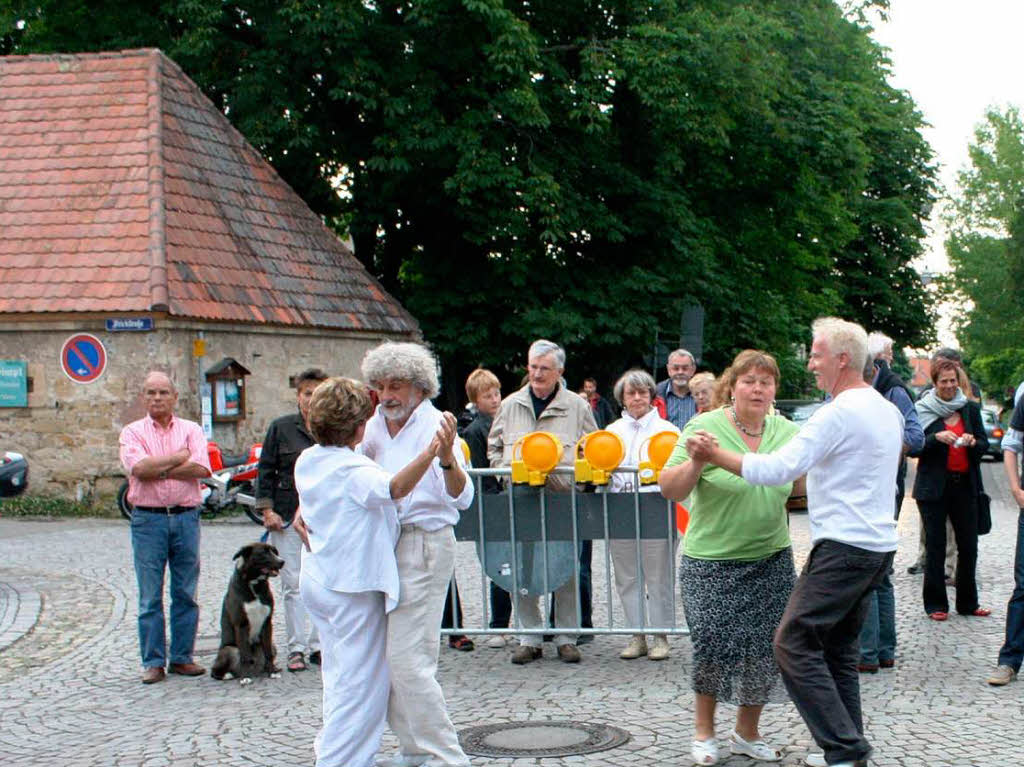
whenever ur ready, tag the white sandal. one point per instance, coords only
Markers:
(705, 752)
(755, 749)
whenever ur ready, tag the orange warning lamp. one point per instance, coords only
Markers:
(603, 451)
(682, 517)
(659, 449)
(533, 456)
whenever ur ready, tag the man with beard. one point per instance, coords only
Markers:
(675, 390)
(404, 375)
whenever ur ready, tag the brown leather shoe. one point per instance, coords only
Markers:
(525, 654)
(568, 653)
(153, 674)
(187, 669)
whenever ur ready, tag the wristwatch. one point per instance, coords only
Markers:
(447, 466)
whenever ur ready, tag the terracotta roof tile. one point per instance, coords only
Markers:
(103, 154)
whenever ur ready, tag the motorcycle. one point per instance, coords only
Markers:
(232, 483)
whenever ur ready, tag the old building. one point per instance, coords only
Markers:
(141, 231)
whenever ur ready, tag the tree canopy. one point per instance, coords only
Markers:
(570, 169)
(986, 251)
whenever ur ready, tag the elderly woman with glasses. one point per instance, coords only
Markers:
(636, 390)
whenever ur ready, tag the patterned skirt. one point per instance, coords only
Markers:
(732, 609)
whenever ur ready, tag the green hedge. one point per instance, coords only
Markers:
(52, 506)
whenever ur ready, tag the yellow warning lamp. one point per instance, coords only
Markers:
(659, 449)
(603, 451)
(533, 456)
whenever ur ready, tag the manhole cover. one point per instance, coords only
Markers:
(541, 739)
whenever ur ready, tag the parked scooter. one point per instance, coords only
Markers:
(232, 483)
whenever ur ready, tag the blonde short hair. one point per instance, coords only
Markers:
(338, 408)
(702, 378)
(843, 336)
(480, 381)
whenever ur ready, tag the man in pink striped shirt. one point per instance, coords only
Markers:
(165, 456)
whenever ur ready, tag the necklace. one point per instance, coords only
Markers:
(741, 427)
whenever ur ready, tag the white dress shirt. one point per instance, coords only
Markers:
(353, 523)
(633, 432)
(428, 506)
(850, 451)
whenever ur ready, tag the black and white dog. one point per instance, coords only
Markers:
(246, 634)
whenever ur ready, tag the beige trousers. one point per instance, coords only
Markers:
(417, 712)
(655, 591)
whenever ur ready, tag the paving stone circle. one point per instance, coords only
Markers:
(539, 739)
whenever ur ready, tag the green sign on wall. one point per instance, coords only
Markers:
(13, 383)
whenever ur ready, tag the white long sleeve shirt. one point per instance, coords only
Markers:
(353, 524)
(850, 451)
(428, 506)
(633, 432)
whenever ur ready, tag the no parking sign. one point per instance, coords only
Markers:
(83, 358)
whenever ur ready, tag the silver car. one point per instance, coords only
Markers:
(994, 432)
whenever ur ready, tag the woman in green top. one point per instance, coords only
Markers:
(737, 569)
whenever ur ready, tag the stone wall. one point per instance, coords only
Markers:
(69, 431)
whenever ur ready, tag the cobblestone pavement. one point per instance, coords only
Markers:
(70, 691)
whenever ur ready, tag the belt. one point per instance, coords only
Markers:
(957, 476)
(165, 509)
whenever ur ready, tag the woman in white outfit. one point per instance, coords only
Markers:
(349, 578)
(636, 391)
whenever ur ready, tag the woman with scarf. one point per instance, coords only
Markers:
(947, 485)
(636, 391)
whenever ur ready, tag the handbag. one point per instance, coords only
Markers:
(984, 514)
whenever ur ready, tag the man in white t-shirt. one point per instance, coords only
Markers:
(849, 450)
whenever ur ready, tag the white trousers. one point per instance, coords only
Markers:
(417, 712)
(528, 609)
(353, 627)
(657, 588)
(302, 633)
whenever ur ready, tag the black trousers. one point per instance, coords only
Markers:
(501, 607)
(448, 620)
(959, 504)
(817, 644)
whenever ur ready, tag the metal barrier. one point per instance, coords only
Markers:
(512, 526)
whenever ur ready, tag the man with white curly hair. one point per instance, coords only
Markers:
(404, 375)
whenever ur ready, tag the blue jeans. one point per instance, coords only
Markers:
(878, 636)
(1012, 652)
(159, 541)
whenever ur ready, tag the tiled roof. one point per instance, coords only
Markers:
(123, 188)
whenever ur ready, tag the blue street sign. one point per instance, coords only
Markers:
(136, 324)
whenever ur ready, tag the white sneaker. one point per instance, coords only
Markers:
(402, 760)
(816, 760)
(497, 641)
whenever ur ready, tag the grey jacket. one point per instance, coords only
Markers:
(568, 417)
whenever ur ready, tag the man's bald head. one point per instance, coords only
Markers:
(160, 396)
(160, 378)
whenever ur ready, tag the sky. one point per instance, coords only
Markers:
(956, 58)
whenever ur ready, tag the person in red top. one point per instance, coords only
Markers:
(165, 457)
(947, 484)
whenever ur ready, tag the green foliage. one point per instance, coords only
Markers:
(29, 505)
(986, 252)
(573, 169)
